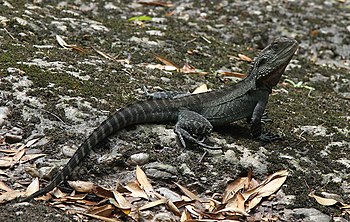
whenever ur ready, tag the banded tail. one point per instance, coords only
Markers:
(141, 112)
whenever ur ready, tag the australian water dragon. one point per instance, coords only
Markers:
(197, 114)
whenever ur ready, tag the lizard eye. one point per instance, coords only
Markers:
(274, 46)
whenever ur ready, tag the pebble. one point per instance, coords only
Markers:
(186, 170)
(161, 171)
(314, 130)
(11, 138)
(319, 78)
(4, 113)
(68, 151)
(139, 159)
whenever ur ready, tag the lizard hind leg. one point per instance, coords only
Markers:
(192, 126)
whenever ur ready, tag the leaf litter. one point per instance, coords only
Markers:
(109, 204)
(238, 200)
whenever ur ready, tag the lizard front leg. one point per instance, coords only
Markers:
(191, 123)
(258, 118)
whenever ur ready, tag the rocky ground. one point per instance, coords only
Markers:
(61, 94)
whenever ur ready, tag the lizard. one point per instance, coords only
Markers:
(196, 114)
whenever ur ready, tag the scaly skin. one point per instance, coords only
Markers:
(199, 113)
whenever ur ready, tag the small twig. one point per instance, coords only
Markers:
(52, 114)
(201, 159)
(9, 34)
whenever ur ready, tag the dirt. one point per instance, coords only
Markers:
(63, 94)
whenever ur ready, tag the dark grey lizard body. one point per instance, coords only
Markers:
(198, 113)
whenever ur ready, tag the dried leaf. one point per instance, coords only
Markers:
(153, 204)
(234, 74)
(201, 89)
(233, 187)
(233, 210)
(75, 197)
(237, 201)
(188, 193)
(323, 201)
(6, 161)
(185, 216)
(33, 187)
(4, 187)
(103, 211)
(29, 157)
(345, 206)
(103, 218)
(82, 186)
(272, 186)
(104, 55)
(32, 142)
(18, 155)
(253, 203)
(192, 70)
(245, 58)
(8, 151)
(10, 195)
(102, 192)
(173, 208)
(167, 62)
(3, 173)
(61, 42)
(143, 180)
(123, 204)
(136, 190)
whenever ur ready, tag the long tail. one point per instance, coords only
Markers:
(141, 112)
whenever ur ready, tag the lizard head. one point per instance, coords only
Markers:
(271, 62)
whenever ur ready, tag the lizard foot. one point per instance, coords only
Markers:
(268, 138)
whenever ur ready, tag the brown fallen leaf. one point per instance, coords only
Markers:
(103, 211)
(185, 216)
(18, 156)
(323, 201)
(63, 44)
(6, 161)
(245, 58)
(102, 192)
(167, 62)
(173, 208)
(188, 69)
(10, 195)
(233, 210)
(153, 204)
(237, 201)
(29, 157)
(122, 203)
(136, 190)
(82, 186)
(234, 187)
(33, 187)
(4, 187)
(188, 193)
(143, 180)
(102, 218)
(201, 89)
(234, 74)
(31, 142)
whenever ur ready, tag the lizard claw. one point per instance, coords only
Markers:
(268, 138)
